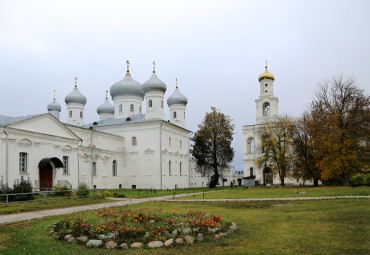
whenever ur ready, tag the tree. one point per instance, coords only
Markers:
(276, 147)
(304, 148)
(212, 145)
(341, 113)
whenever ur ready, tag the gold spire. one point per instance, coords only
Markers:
(176, 84)
(106, 95)
(54, 94)
(266, 70)
(76, 82)
(153, 66)
(128, 67)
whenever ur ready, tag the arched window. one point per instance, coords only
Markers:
(150, 103)
(266, 109)
(114, 168)
(251, 171)
(174, 115)
(180, 168)
(169, 168)
(134, 141)
(94, 168)
(132, 108)
(70, 114)
(81, 115)
(250, 145)
(120, 108)
(140, 109)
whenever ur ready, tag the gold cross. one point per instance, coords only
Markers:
(153, 66)
(128, 66)
(76, 82)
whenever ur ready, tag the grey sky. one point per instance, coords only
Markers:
(217, 49)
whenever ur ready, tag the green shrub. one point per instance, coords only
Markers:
(367, 180)
(5, 189)
(357, 180)
(23, 187)
(105, 193)
(120, 195)
(83, 190)
(61, 191)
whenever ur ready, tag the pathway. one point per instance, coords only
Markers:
(53, 212)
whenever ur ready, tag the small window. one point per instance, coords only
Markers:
(180, 144)
(134, 141)
(132, 108)
(70, 114)
(162, 103)
(120, 108)
(114, 168)
(180, 168)
(169, 168)
(81, 115)
(140, 109)
(251, 171)
(169, 141)
(150, 103)
(266, 109)
(23, 162)
(65, 165)
(174, 115)
(94, 168)
(266, 85)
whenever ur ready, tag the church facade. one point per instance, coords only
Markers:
(126, 148)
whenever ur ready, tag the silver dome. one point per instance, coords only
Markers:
(54, 106)
(75, 97)
(106, 107)
(154, 84)
(177, 98)
(127, 86)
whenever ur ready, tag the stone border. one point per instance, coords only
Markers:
(96, 243)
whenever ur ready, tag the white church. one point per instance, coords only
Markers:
(126, 148)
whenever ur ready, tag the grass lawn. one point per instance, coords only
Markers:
(144, 193)
(299, 227)
(50, 204)
(264, 192)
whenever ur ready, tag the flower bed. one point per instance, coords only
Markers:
(129, 227)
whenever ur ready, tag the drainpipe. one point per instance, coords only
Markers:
(160, 153)
(78, 165)
(92, 151)
(6, 157)
(189, 160)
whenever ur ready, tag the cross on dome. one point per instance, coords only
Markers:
(75, 82)
(106, 94)
(176, 83)
(153, 66)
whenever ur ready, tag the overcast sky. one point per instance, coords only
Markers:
(217, 50)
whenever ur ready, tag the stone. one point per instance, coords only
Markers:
(123, 246)
(200, 237)
(189, 239)
(72, 240)
(94, 243)
(303, 193)
(82, 239)
(136, 245)
(51, 231)
(54, 226)
(155, 244)
(208, 237)
(67, 237)
(110, 245)
(179, 240)
(168, 242)
(57, 237)
(231, 231)
(217, 236)
(222, 234)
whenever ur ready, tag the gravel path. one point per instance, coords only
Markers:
(120, 202)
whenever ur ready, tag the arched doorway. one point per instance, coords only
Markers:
(239, 182)
(46, 170)
(267, 176)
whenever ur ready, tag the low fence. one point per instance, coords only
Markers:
(45, 195)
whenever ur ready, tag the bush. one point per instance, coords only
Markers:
(105, 193)
(357, 180)
(367, 180)
(83, 190)
(5, 189)
(23, 187)
(61, 191)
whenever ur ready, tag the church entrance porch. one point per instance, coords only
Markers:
(46, 171)
(267, 176)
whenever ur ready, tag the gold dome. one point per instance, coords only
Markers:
(266, 75)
